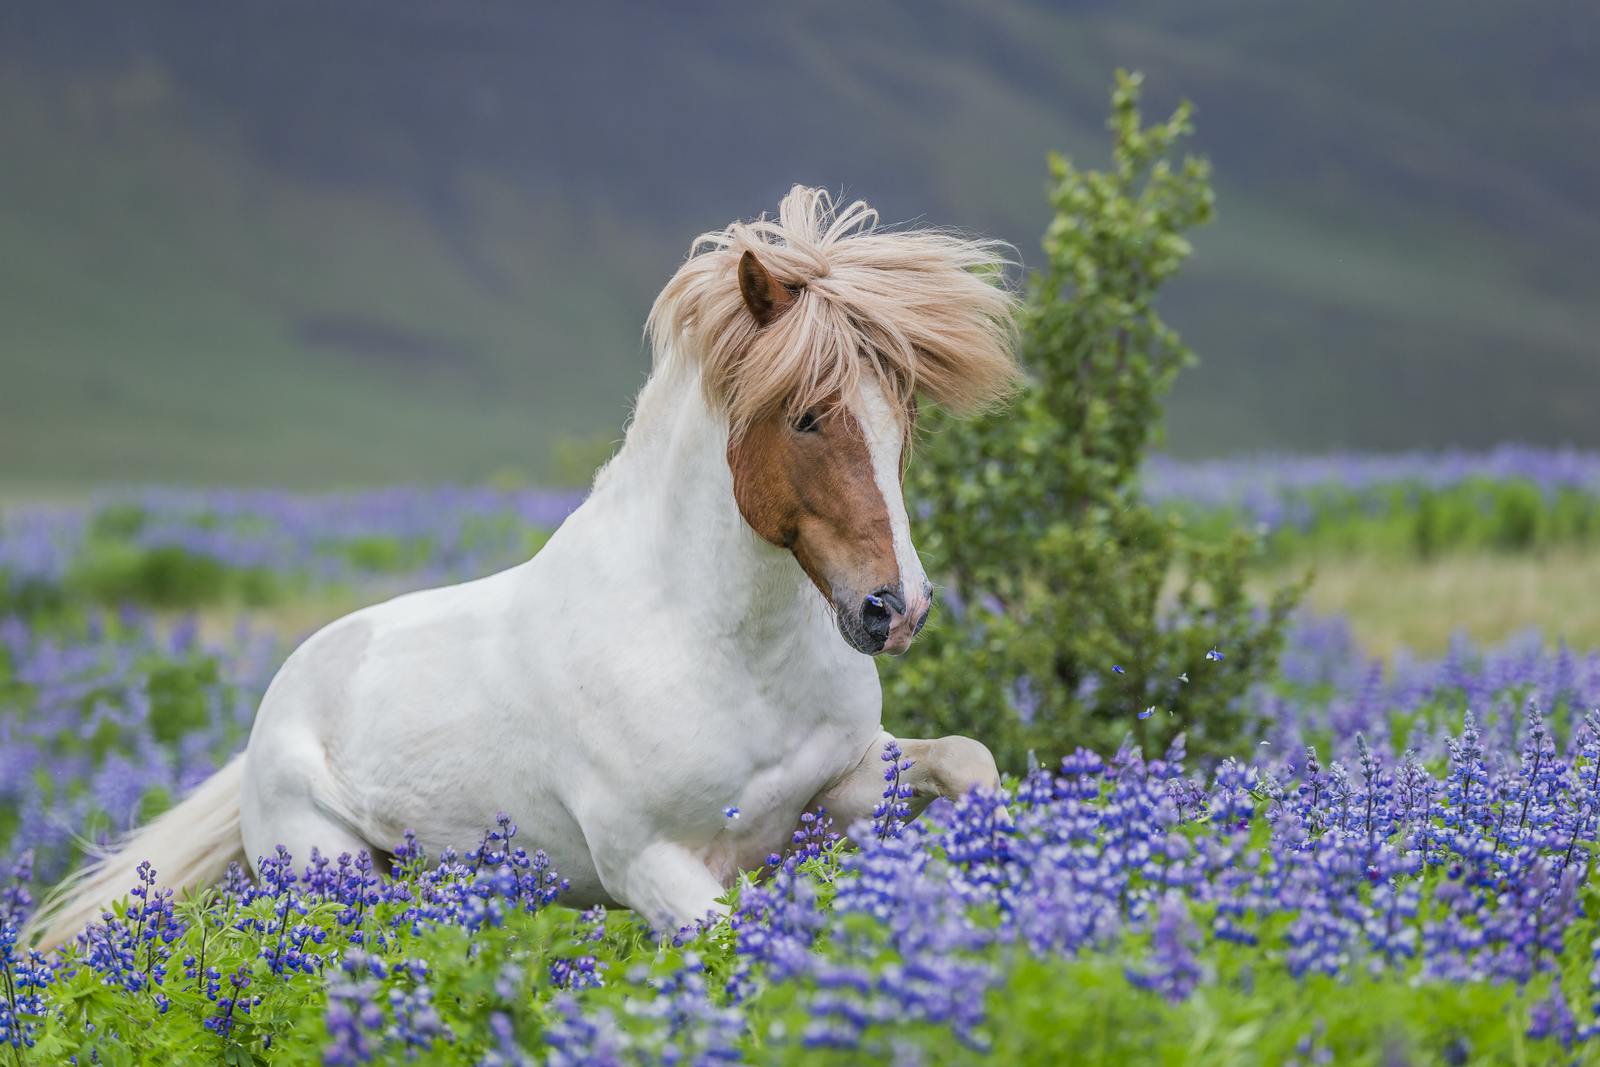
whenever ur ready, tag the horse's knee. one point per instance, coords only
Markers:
(664, 882)
(957, 765)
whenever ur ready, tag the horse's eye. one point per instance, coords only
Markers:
(806, 423)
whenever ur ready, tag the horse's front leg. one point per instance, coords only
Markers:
(666, 883)
(949, 767)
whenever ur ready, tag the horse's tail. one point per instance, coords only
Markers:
(190, 845)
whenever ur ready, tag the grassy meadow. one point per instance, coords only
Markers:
(1396, 605)
(1391, 867)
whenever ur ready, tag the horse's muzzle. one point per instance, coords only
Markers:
(884, 620)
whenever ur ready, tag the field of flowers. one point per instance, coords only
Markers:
(1392, 868)
(181, 548)
(1412, 504)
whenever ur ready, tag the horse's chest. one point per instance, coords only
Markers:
(782, 773)
(797, 771)
(793, 738)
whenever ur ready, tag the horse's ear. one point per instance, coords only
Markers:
(763, 294)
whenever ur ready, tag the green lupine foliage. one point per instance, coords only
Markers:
(1046, 1008)
(165, 576)
(1404, 521)
(179, 697)
(387, 555)
(287, 1026)
(1032, 518)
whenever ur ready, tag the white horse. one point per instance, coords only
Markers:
(675, 650)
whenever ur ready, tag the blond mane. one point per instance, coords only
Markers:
(926, 311)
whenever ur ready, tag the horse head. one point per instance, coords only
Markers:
(826, 484)
(813, 334)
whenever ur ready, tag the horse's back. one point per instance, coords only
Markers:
(401, 682)
(403, 641)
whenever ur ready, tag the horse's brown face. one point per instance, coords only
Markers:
(827, 487)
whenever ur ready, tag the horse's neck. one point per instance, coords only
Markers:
(670, 494)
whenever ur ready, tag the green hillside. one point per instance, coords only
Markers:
(375, 243)
(175, 314)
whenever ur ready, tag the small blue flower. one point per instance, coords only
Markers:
(1214, 656)
(731, 812)
(1117, 669)
(1147, 712)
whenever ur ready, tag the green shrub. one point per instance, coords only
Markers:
(1054, 569)
(1519, 517)
(165, 576)
(29, 597)
(180, 692)
(119, 522)
(377, 554)
(1411, 521)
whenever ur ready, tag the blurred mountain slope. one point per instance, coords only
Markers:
(379, 241)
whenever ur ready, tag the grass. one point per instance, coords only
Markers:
(1418, 605)
(162, 343)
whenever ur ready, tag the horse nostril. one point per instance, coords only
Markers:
(876, 618)
(890, 597)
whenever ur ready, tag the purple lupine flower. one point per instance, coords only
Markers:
(1325, 863)
(1173, 969)
(892, 814)
(1552, 1019)
(24, 975)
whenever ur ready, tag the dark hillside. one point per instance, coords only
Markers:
(382, 241)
